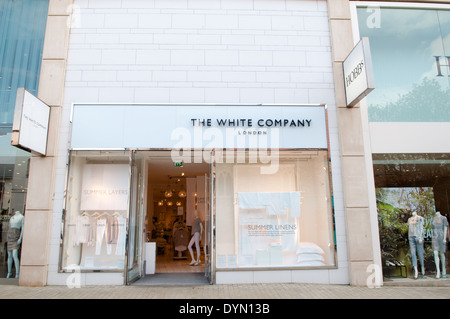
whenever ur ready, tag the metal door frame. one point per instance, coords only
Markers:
(135, 207)
(210, 210)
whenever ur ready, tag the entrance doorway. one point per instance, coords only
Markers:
(174, 195)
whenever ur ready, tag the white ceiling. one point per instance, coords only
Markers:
(161, 167)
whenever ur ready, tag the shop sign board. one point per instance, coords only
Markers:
(358, 73)
(31, 121)
(198, 126)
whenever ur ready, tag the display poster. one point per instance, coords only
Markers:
(105, 187)
(268, 226)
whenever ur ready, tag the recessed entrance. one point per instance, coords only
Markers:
(176, 194)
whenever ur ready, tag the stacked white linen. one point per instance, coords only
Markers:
(310, 254)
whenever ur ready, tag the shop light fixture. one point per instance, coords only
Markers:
(168, 193)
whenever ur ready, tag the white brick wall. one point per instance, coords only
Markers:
(234, 44)
(200, 51)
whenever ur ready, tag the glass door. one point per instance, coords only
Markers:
(209, 220)
(133, 264)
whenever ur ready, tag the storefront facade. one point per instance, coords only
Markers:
(410, 108)
(251, 94)
(171, 75)
(21, 49)
(202, 59)
(262, 208)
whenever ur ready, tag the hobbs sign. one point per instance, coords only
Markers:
(358, 73)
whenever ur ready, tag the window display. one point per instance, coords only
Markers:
(284, 219)
(412, 201)
(14, 239)
(415, 237)
(13, 193)
(439, 224)
(95, 222)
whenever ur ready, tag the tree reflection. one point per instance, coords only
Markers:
(425, 102)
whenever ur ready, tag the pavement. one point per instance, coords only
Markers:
(409, 289)
(228, 301)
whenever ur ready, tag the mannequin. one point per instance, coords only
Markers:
(415, 237)
(439, 241)
(197, 230)
(15, 233)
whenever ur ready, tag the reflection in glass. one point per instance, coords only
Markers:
(409, 51)
(22, 25)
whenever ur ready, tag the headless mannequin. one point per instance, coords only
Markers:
(15, 226)
(439, 241)
(415, 236)
(197, 230)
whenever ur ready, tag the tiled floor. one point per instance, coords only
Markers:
(166, 263)
(173, 279)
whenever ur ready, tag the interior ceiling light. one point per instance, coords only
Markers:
(168, 193)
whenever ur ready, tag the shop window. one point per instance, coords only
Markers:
(413, 187)
(410, 54)
(283, 219)
(13, 193)
(96, 212)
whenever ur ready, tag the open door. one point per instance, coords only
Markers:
(209, 220)
(134, 247)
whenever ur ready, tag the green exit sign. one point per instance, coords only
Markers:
(178, 164)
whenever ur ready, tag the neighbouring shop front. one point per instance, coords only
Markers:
(21, 45)
(408, 118)
(257, 177)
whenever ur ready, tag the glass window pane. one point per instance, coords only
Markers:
(412, 187)
(444, 22)
(97, 205)
(22, 31)
(410, 64)
(282, 219)
(14, 166)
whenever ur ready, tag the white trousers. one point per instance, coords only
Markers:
(101, 229)
(195, 239)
